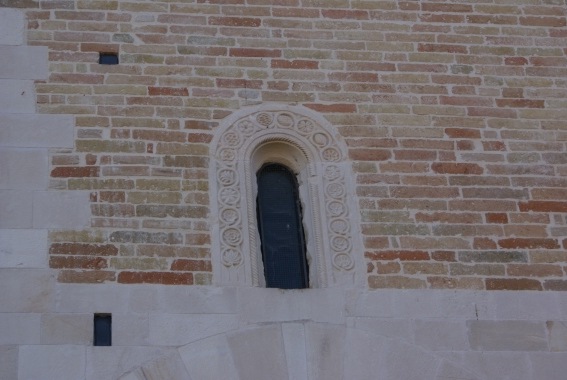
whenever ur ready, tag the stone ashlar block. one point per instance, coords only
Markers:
(23, 168)
(51, 362)
(36, 131)
(16, 209)
(110, 363)
(507, 335)
(61, 209)
(18, 328)
(67, 329)
(23, 248)
(23, 62)
(18, 96)
(12, 27)
(26, 290)
(9, 362)
(209, 358)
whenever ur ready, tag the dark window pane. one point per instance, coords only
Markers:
(281, 229)
(102, 330)
(108, 59)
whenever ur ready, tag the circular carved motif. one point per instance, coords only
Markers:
(232, 236)
(343, 261)
(320, 139)
(227, 176)
(264, 119)
(229, 196)
(227, 154)
(231, 257)
(336, 208)
(285, 120)
(339, 226)
(335, 190)
(231, 139)
(332, 172)
(305, 127)
(331, 154)
(340, 243)
(246, 127)
(229, 216)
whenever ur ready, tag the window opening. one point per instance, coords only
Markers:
(102, 330)
(281, 229)
(108, 59)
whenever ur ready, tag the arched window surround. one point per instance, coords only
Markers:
(307, 144)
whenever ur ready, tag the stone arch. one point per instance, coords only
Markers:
(309, 145)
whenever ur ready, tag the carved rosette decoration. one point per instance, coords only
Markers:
(333, 190)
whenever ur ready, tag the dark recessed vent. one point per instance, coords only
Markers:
(108, 59)
(102, 330)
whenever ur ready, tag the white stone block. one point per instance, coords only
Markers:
(169, 367)
(110, 363)
(325, 351)
(197, 299)
(26, 290)
(259, 353)
(557, 331)
(17, 328)
(277, 305)
(209, 358)
(507, 335)
(61, 209)
(363, 356)
(16, 209)
(441, 335)
(497, 365)
(130, 329)
(17, 96)
(448, 371)
(36, 131)
(25, 169)
(392, 328)
(548, 366)
(12, 27)
(134, 375)
(23, 62)
(67, 329)
(404, 361)
(525, 305)
(85, 298)
(181, 329)
(295, 353)
(23, 248)
(9, 362)
(51, 362)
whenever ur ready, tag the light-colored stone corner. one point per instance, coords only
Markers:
(17, 96)
(23, 168)
(23, 248)
(12, 27)
(61, 209)
(65, 362)
(67, 329)
(23, 62)
(36, 131)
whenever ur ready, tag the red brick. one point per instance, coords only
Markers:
(369, 154)
(442, 48)
(85, 276)
(332, 108)
(235, 21)
(77, 262)
(296, 64)
(442, 18)
(528, 243)
(168, 91)
(520, 103)
(456, 168)
(548, 22)
(239, 83)
(74, 171)
(398, 255)
(191, 265)
(250, 52)
(460, 133)
(83, 249)
(345, 14)
(484, 243)
(543, 206)
(113, 196)
(512, 284)
(441, 7)
(165, 278)
(497, 217)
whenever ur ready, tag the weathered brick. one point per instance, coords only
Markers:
(512, 284)
(396, 282)
(528, 243)
(83, 249)
(86, 276)
(164, 278)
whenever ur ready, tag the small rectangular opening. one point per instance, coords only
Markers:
(108, 58)
(102, 330)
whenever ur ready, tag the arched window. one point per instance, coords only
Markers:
(311, 158)
(280, 226)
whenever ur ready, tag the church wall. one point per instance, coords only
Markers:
(453, 118)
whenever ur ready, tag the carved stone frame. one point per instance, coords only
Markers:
(306, 143)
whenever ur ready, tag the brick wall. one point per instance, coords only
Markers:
(454, 115)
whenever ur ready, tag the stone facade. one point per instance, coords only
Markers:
(429, 138)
